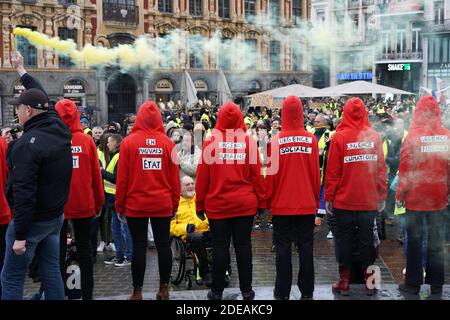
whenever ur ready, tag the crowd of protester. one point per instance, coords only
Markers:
(128, 199)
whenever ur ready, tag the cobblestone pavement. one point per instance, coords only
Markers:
(115, 282)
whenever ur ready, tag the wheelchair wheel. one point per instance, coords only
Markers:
(178, 260)
(229, 270)
(188, 282)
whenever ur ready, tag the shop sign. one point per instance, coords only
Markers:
(406, 6)
(73, 87)
(354, 76)
(200, 85)
(399, 67)
(164, 85)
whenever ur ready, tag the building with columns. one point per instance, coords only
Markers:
(399, 43)
(109, 94)
(399, 57)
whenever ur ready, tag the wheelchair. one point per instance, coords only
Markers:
(182, 254)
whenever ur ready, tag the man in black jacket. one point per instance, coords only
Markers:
(40, 169)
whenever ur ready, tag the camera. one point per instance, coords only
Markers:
(14, 131)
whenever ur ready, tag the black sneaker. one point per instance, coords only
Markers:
(207, 279)
(277, 297)
(111, 260)
(123, 262)
(409, 289)
(214, 296)
(248, 295)
(307, 297)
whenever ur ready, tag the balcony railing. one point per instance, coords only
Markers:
(358, 39)
(121, 14)
(402, 56)
(366, 3)
(67, 2)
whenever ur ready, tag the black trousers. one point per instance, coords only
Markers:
(222, 231)
(94, 236)
(347, 239)
(435, 224)
(82, 232)
(198, 245)
(299, 228)
(161, 232)
(3, 229)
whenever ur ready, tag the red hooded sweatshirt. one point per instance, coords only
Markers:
(148, 181)
(5, 212)
(86, 195)
(424, 161)
(355, 179)
(294, 186)
(229, 178)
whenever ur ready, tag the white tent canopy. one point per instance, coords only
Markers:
(359, 88)
(297, 90)
(266, 98)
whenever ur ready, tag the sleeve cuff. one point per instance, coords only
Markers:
(20, 236)
(120, 210)
(25, 78)
(199, 206)
(262, 204)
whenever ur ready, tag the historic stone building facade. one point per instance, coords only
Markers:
(109, 94)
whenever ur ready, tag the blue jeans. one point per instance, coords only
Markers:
(416, 223)
(42, 241)
(424, 239)
(120, 233)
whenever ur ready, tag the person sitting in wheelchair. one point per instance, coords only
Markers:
(191, 229)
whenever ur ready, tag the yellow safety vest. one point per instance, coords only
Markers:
(386, 144)
(322, 144)
(111, 187)
(310, 129)
(397, 210)
(101, 157)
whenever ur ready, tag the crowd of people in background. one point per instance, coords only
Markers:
(199, 201)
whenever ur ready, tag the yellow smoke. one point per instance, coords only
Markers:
(41, 40)
(142, 54)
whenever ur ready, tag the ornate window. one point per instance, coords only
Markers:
(65, 34)
(165, 6)
(195, 8)
(27, 50)
(275, 50)
(224, 9)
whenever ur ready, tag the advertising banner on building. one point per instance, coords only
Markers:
(406, 6)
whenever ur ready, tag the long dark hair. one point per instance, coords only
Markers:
(103, 145)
